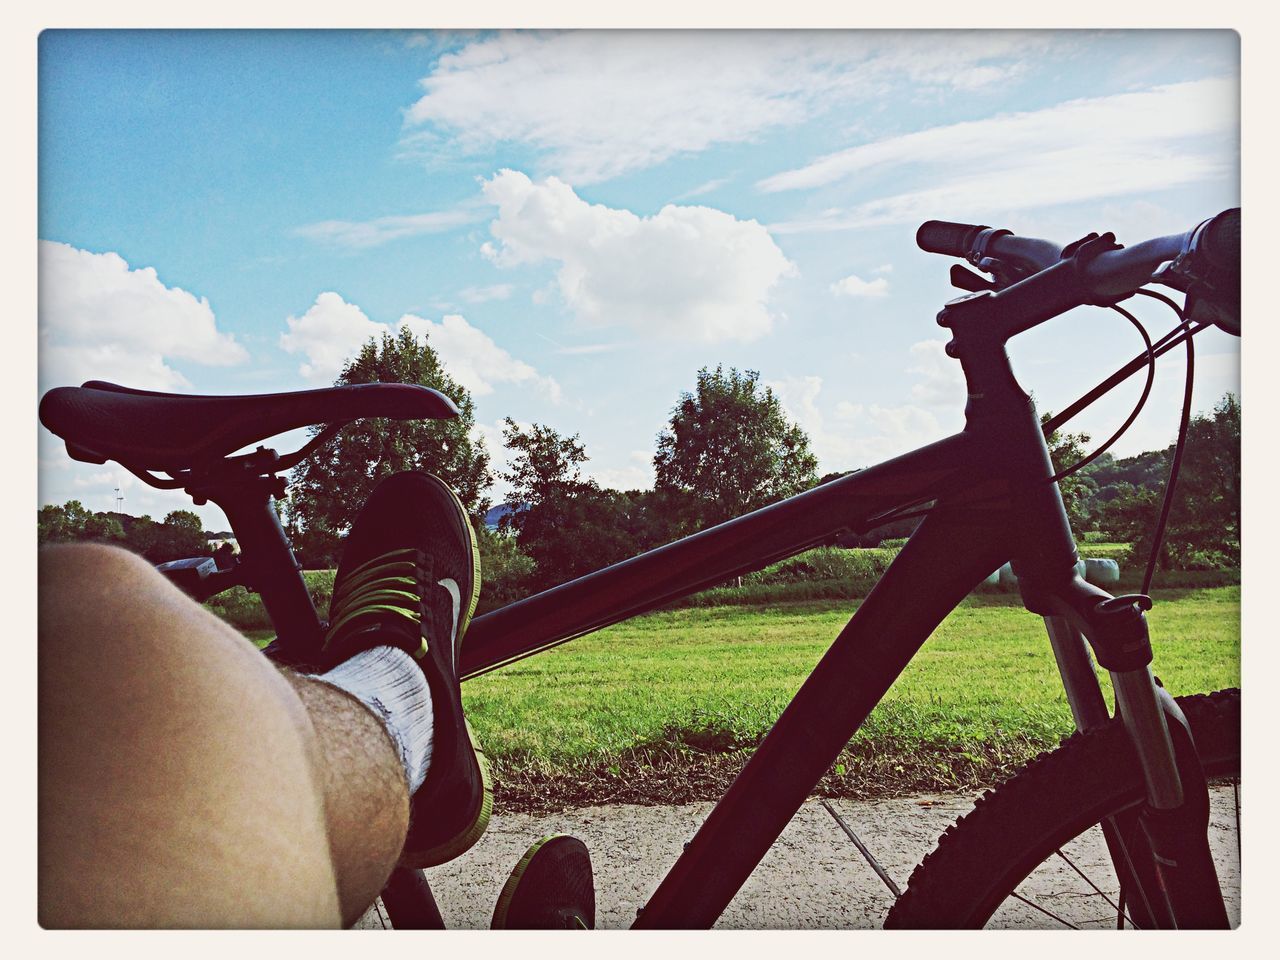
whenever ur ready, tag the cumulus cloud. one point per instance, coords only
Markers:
(99, 319)
(332, 330)
(686, 272)
(473, 359)
(941, 381)
(600, 104)
(635, 474)
(327, 335)
(866, 434)
(362, 234)
(855, 286)
(1079, 150)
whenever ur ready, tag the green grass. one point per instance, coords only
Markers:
(1105, 551)
(665, 707)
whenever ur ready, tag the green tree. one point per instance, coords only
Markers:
(562, 520)
(729, 445)
(1066, 450)
(1203, 530)
(328, 488)
(71, 523)
(181, 535)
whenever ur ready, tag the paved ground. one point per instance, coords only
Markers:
(812, 878)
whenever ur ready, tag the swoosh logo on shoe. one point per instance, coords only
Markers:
(455, 594)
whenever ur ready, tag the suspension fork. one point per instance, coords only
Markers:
(1161, 852)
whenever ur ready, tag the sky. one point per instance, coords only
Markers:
(579, 221)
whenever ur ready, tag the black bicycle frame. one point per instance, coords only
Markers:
(950, 553)
(993, 500)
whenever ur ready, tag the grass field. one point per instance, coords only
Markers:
(666, 707)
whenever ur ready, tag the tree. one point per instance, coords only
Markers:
(72, 523)
(729, 445)
(1203, 530)
(1066, 450)
(562, 520)
(181, 535)
(328, 488)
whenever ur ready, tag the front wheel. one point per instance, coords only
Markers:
(1031, 852)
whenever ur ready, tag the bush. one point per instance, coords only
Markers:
(244, 610)
(507, 572)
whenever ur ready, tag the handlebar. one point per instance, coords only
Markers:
(1204, 262)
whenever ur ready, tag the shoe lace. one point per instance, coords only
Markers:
(388, 584)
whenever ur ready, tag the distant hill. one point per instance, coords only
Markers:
(497, 513)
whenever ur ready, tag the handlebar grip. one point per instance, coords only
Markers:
(1220, 242)
(950, 239)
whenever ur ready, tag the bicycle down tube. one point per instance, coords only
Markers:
(746, 543)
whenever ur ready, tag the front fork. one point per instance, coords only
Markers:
(1160, 851)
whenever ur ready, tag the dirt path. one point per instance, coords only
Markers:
(812, 878)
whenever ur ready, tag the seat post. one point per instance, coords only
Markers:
(270, 566)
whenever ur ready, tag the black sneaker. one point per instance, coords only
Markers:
(551, 888)
(410, 578)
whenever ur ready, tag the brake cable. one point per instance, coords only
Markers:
(1178, 449)
(1142, 400)
(1182, 333)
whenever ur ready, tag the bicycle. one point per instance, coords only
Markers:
(987, 495)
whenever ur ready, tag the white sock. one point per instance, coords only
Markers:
(393, 687)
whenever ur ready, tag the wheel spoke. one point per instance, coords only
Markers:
(1097, 889)
(1235, 792)
(1048, 913)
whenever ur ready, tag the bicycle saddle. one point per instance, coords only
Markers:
(171, 431)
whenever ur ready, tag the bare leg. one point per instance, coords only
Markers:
(366, 804)
(184, 782)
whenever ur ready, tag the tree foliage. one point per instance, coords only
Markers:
(72, 523)
(181, 535)
(1204, 522)
(328, 489)
(564, 521)
(729, 446)
(1066, 450)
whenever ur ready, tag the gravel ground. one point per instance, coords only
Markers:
(813, 877)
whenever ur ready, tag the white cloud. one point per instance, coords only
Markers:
(942, 380)
(362, 234)
(636, 474)
(687, 272)
(472, 358)
(864, 435)
(1078, 150)
(599, 104)
(499, 291)
(98, 319)
(332, 330)
(855, 286)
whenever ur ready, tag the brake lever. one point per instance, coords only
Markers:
(966, 279)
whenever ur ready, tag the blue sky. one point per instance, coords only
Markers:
(579, 221)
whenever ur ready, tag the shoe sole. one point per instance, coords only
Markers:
(513, 884)
(516, 885)
(465, 840)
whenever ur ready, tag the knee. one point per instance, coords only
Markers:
(85, 588)
(74, 564)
